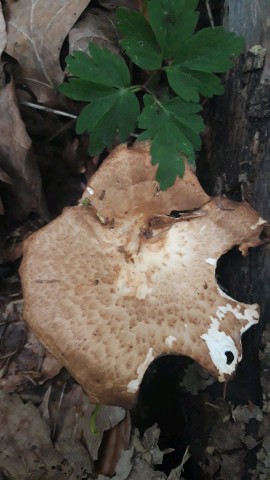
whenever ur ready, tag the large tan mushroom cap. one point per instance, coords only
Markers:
(111, 286)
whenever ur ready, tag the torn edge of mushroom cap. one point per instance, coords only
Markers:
(222, 349)
(125, 185)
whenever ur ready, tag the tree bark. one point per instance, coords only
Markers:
(238, 163)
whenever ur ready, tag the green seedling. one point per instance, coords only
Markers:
(177, 66)
(93, 420)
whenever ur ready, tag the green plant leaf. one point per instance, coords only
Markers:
(209, 50)
(105, 117)
(173, 22)
(164, 146)
(139, 40)
(103, 67)
(83, 90)
(163, 41)
(173, 127)
(189, 84)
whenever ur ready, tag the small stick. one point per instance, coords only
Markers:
(209, 11)
(48, 109)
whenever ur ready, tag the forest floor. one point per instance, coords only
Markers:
(185, 424)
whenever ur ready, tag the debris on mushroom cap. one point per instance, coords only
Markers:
(114, 282)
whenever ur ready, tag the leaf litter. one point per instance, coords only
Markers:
(3, 33)
(18, 160)
(45, 416)
(36, 33)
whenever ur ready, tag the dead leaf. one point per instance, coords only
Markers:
(94, 26)
(17, 159)
(3, 33)
(107, 417)
(232, 465)
(36, 32)
(4, 177)
(26, 449)
(196, 379)
(175, 474)
(69, 442)
(23, 359)
(70, 420)
(141, 469)
(263, 460)
(112, 4)
(137, 462)
(244, 413)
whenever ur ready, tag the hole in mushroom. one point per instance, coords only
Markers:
(230, 357)
(232, 274)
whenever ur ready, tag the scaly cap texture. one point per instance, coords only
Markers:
(114, 283)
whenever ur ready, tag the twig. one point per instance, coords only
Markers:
(210, 15)
(47, 109)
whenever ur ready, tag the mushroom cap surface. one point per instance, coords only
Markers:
(111, 285)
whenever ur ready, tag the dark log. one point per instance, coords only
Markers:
(238, 164)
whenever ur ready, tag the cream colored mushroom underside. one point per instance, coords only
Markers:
(107, 314)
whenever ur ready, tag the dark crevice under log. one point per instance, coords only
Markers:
(236, 159)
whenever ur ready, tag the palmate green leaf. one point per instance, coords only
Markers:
(83, 90)
(173, 22)
(164, 41)
(191, 84)
(107, 116)
(104, 81)
(173, 125)
(209, 50)
(164, 147)
(139, 41)
(103, 67)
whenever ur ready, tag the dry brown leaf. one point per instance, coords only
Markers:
(17, 159)
(3, 33)
(71, 419)
(36, 32)
(112, 4)
(95, 26)
(26, 449)
(4, 177)
(23, 358)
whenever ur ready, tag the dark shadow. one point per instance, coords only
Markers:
(179, 415)
(236, 278)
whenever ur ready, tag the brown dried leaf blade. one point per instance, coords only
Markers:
(36, 32)
(17, 160)
(3, 33)
(96, 26)
(26, 449)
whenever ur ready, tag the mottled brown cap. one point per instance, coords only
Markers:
(112, 284)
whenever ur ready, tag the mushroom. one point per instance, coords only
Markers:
(115, 282)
